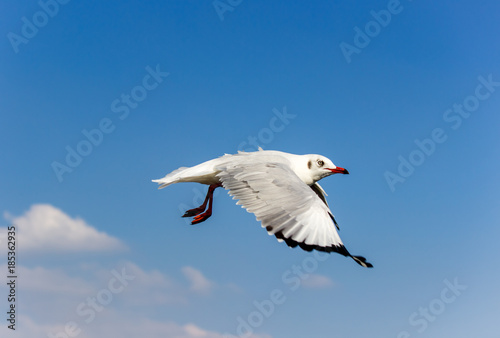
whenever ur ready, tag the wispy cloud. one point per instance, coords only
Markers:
(98, 300)
(45, 228)
(316, 281)
(52, 297)
(114, 325)
(52, 282)
(153, 288)
(199, 283)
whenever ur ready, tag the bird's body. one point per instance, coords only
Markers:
(281, 189)
(206, 172)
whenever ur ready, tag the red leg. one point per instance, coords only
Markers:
(204, 216)
(201, 216)
(200, 209)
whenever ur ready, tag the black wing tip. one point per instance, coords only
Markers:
(338, 249)
(308, 247)
(362, 261)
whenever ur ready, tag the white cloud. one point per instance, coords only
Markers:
(115, 325)
(51, 281)
(315, 281)
(29, 328)
(55, 297)
(199, 283)
(153, 329)
(45, 228)
(51, 298)
(54, 294)
(152, 287)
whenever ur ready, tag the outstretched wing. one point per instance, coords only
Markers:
(286, 206)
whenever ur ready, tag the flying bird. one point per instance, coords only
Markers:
(281, 189)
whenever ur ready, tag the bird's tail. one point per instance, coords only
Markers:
(171, 178)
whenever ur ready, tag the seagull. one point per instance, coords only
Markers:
(281, 189)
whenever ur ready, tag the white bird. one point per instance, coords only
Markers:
(282, 191)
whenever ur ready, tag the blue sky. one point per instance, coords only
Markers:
(140, 89)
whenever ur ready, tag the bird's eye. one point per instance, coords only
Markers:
(320, 163)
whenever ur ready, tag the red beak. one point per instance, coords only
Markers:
(338, 170)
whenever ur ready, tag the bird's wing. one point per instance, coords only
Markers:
(286, 206)
(321, 194)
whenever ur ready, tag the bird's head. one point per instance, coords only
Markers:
(318, 167)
